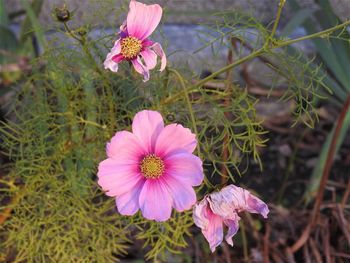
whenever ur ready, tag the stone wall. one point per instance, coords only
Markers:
(177, 11)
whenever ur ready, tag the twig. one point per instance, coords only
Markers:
(346, 195)
(326, 172)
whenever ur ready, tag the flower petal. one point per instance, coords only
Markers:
(128, 203)
(109, 63)
(181, 139)
(125, 148)
(143, 19)
(233, 199)
(214, 230)
(159, 51)
(150, 58)
(117, 179)
(183, 195)
(199, 213)
(233, 226)
(185, 167)
(155, 201)
(140, 68)
(146, 126)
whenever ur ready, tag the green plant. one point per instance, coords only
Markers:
(66, 112)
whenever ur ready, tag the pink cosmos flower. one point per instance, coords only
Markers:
(151, 168)
(223, 207)
(133, 44)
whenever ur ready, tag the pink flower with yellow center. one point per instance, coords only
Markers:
(151, 168)
(134, 45)
(222, 207)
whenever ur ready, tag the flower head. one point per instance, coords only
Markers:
(151, 168)
(133, 44)
(223, 207)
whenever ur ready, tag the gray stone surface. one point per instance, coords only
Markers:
(176, 11)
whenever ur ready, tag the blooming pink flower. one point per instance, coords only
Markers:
(133, 44)
(223, 207)
(152, 168)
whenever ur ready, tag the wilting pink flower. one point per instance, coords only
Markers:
(133, 44)
(151, 168)
(223, 207)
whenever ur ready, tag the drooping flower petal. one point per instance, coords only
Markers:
(181, 138)
(109, 63)
(233, 226)
(128, 203)
(234, 198)
(185, 167)
(150, 58)
(140, 68)
(143, 19)
(147, 126)
(159, 51)
(116, 178)
(183, 195)
(155, 201)
(225, 206)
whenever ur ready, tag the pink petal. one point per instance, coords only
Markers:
(117, 179)
(214, 230)
(128, 203)
(150, 58)
(199, 214)
(181, 139)
(140, 68)
(143, 19)
(125, 148)
(109, 63)
(155, 201)
(185, 167)
(118, 58)
(183, 195)
(233, 226)
(232, 199)
(146, 126)
(159, 51)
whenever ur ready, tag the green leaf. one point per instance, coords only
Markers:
(31, 25)
(318, 169)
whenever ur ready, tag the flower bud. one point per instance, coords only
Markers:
(62, 14)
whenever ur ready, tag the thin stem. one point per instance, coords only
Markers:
(252, 55)
(279, 11)
(193, 119)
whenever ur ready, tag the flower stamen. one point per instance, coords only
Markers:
(152, 167)
(130, 47)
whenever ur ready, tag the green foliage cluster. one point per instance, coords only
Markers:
(68, 109)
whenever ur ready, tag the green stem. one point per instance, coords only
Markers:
(279, 11)
(254, 54)
(193, 119)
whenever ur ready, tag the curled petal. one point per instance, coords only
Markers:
(159, 51)
(140, 68)
(233, 199)
(155, 201)
(143, 19)
(233, 226)
(109, 63)
(146, 126)
(150, 58)
(199, 214)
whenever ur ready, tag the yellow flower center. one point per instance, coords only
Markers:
(152, 167)
(131, 47)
